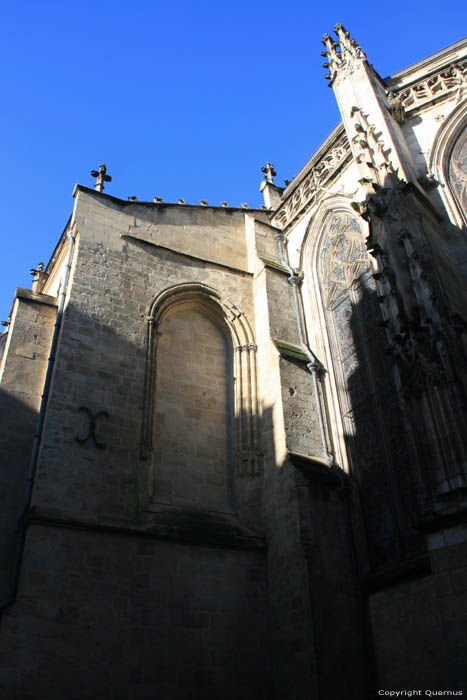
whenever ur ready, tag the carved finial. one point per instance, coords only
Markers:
(340, 53)
(40, 268)
(224, 204)
(203, 203)
(101, 177)
(181, 201)
(157, 200)
(244, 205)
(133, 199)
(269, 172)
(396, 106)
(39, 277)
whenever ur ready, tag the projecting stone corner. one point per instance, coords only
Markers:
(318, 469)
(291, 352)
(196, 526)
(28, 295)
(274, 265)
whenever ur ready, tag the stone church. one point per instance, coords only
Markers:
(234, 440)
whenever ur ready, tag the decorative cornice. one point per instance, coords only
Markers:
(442, 81)
(433, 62)
(434, 86)
(320, 170)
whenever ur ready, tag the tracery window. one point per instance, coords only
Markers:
(362, 368)
(458, 172)
(345, 282)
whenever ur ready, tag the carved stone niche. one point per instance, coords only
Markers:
(174, 394)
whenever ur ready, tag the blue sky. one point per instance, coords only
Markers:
(180, 99)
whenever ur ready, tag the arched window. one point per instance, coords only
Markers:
(348, 296)
(200, 425)
(361, 371)
(458, 172)
(448, 164)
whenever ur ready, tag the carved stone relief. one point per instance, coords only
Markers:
(312, 185)
(90, 427)
(342, 55)
(446, 80)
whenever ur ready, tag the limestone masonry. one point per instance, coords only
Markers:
(233, 441)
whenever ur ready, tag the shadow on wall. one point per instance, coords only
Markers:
(454, 185)
(125, 609)
(90, 464)
(18, 423)
(373, 427)
(376, 434)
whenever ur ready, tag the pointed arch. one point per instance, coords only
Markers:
(343, 308)
(452, 131)
(315, 304)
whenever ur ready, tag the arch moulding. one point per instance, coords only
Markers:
(443, 145)
(222, 312)
(314, 309)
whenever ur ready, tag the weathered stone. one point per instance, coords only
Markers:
(248, 473)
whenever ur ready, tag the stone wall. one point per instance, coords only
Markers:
(23, 372)
(419, 624)
(111, 615)
(193, 457)
(171, 600)
(188, 536)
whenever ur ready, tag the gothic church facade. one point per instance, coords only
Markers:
(234, 441)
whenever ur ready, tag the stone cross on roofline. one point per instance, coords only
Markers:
(269, 172)
(271, 192)
(101, 177)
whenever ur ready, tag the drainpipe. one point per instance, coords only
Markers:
(314, 366)
(345, 483)
(42, 410)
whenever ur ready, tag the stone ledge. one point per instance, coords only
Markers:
(274, 265)
(318, 469)
(28, 295)
(206, 529)
(189, 256)
(290, 351)
(416, 567)
(453, 515)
